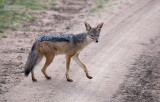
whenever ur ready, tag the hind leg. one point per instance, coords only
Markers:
(32, 71)
(33, 77)
(68, 59)
(49, 59)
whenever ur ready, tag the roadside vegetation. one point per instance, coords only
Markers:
(99, 4)
(12, 12)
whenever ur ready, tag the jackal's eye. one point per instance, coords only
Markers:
(92, 35)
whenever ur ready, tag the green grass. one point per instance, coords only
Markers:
(32, 19)
(10, 19)
(4, 36)
(12, 12)
(31, 4)
(99, 4)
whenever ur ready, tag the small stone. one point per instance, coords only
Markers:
(3, 82)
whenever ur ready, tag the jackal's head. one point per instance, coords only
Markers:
(93, 33)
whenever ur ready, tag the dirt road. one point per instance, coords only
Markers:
(123, 38)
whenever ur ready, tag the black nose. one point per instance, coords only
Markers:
(96, 41)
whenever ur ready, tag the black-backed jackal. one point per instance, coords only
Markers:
(55, 44)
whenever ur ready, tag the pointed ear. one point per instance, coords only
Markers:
(100, 25)
(88, 27)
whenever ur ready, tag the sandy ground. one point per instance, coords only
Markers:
(125, 50)
(142, 84)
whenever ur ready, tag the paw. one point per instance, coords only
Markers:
(48, 77)
(34, 80)
(69, 80)
(89, 77)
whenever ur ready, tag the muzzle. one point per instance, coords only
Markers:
(96, 41)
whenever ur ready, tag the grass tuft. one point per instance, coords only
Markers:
(99, 4)
(4, 36)
(32, 19)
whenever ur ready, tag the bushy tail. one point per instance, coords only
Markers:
(32, 60)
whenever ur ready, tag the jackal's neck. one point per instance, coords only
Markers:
(87, 40)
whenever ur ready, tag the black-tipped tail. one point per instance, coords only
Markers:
(31, 61)
(27, 72)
